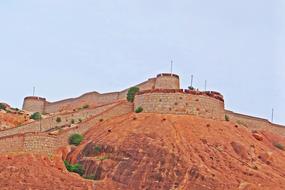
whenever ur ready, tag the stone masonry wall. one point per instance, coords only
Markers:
(162, 81)
(167, 81)
(34, 104)
(29, 142)
(208, 105)
(50, 122)
(255, 123)
(48, 144)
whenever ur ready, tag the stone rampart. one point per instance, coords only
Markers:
(204, 104)
(36, 104)
(167, 81)
(48, 144)
(51, 122)
(28, 142)
(255, 123)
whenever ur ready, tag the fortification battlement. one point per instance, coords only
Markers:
(178, 101)
(167, 75)
(37, 98)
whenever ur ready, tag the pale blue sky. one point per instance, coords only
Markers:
(67, 47)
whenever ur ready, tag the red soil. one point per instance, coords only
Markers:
(26, 171)
(154, 151)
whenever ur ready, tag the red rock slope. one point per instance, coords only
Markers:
(153, 151)
(34, 172)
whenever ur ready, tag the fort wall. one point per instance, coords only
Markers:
(204, 104)
(51, 123)
(36, 104)
(255, 123)
(167, 81)
(29, 142)
(48, 144)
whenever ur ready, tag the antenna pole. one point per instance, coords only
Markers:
(171, 67)
(192, 80)
(272, 115)
(34, 90)
(205, 85)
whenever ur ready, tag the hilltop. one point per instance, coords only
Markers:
(153, 135)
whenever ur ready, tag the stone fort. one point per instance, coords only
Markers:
(161, 94)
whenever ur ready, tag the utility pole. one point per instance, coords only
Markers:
(205, 85)
(34, 90)
(192, 80)
(272, 115)
(171, 67)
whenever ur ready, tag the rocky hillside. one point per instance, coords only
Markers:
(26, 171)
(154, 151)
(11, 117)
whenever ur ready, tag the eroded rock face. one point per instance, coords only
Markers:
(27, 171)
(153, 151)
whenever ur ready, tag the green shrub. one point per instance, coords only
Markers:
(76, 168)
(58, 119)
(79, 120)
(139, 110)
(131, 93)
(191, 88)
(97, 149)
(75, 139)
(227, 118)
(85, 106)
(72, 121)
(2, 106)
(36, 116)
(279, 146)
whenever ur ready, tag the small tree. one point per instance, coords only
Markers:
(58, 119)
(131, 93)
(139, 110)
(76, 168)
(279, 146)
(227, 118)
(75, 139)
(85, 106)
(36, 116)
(2, 106)
(72, 121)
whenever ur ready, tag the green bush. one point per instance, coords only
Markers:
(76, 168)
(79, 120)
(72, 121)
(131, 93)
(279, 146)
(97, 149)
(2, 106)
(85, 106)
(227, 118)
(191, 88)
(58, 119)
(139, 110)
(36, 116)
(75, 139)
